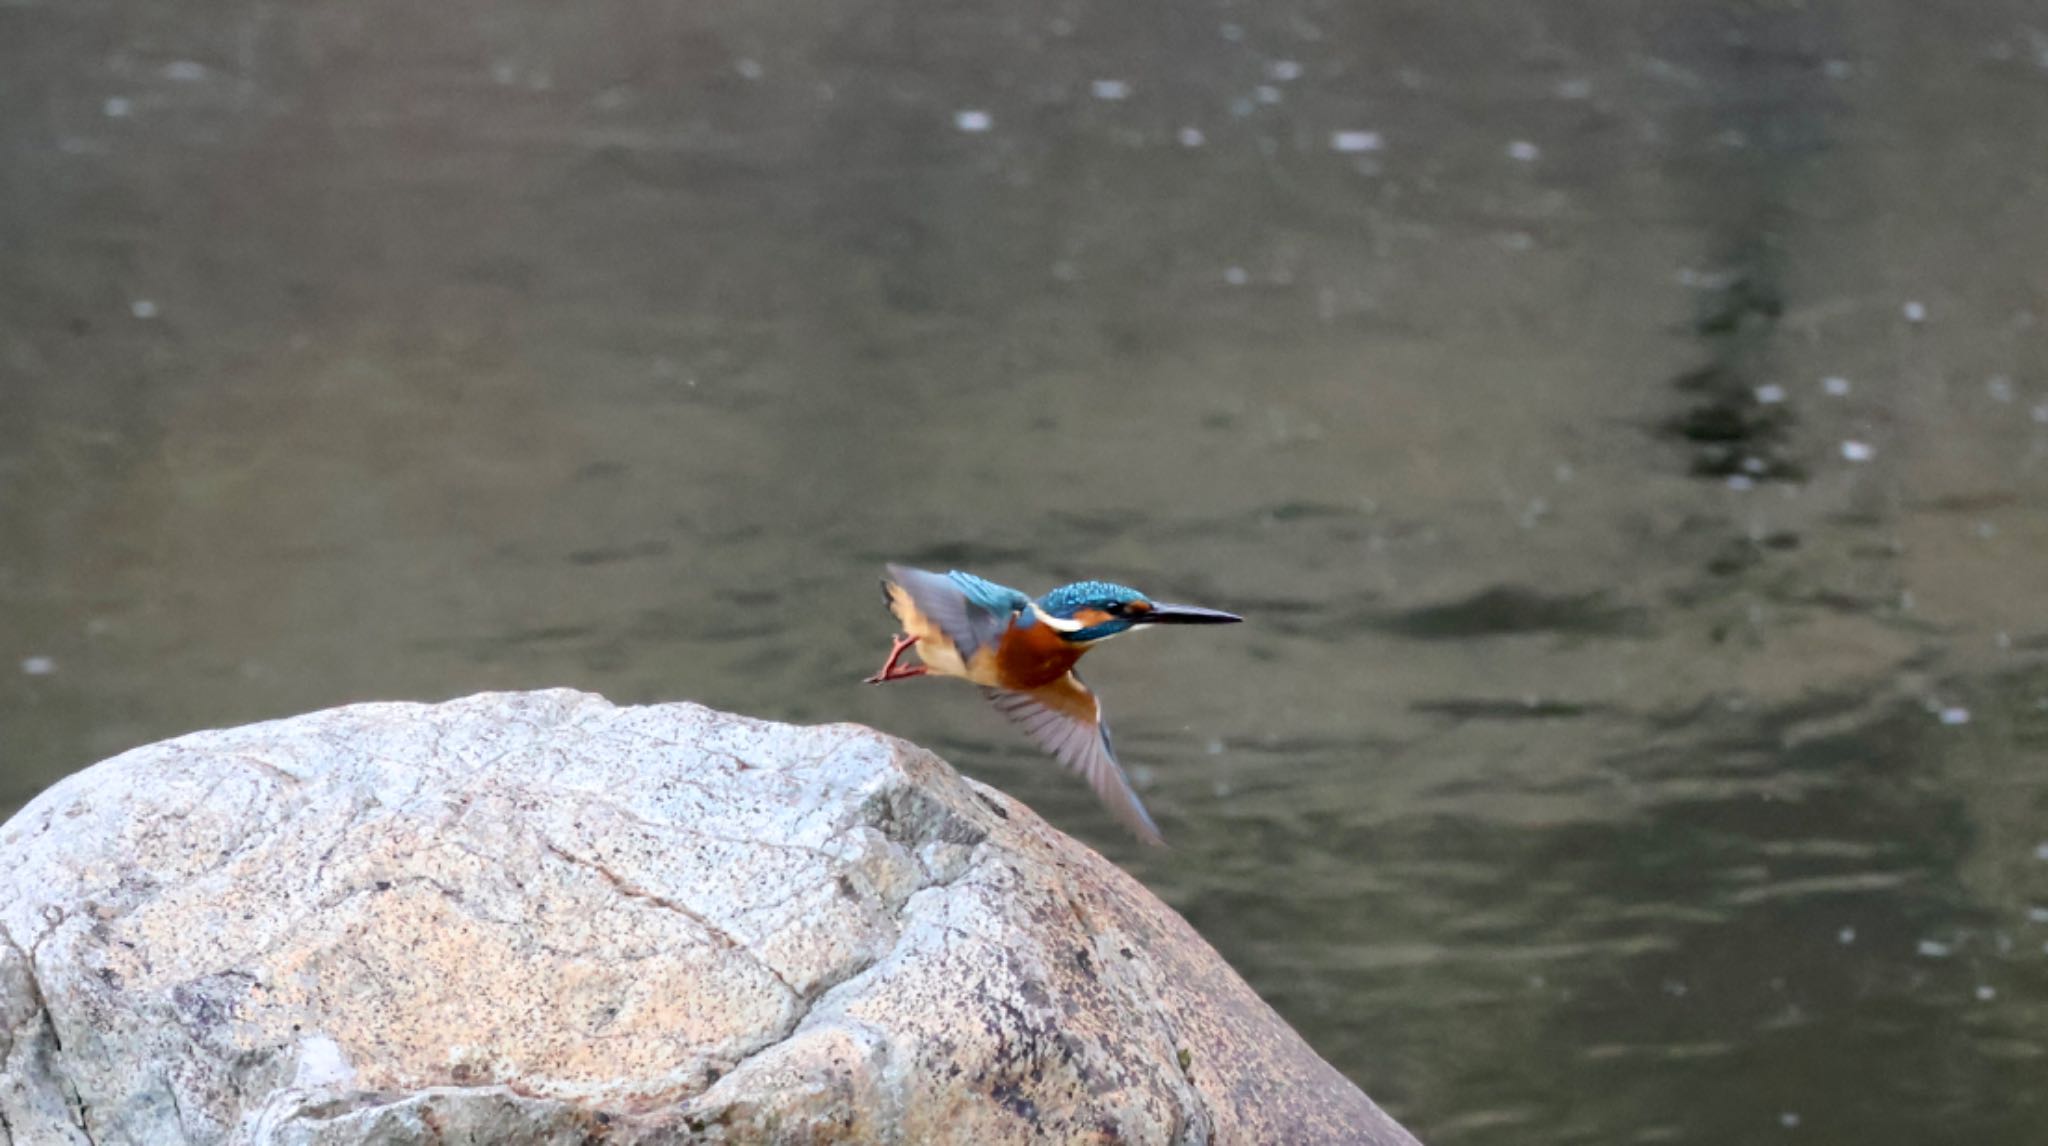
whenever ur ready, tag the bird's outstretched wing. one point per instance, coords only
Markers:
(1066, 720)
(971, 612)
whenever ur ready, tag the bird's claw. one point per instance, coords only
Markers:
(890, 670)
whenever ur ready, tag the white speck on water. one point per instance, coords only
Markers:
(973, 120)
(1914, 311)
(1236, 276)
(1355, 142)
(1215, 746)
(1770, 395)
(117, 107)
(1576, 88)
(1231, 32)
(1518, 241)
(1192, 137)
(1755, 467)
(1846, 936)
(1933, 949)
(1741, 482)
(1267, 94)
(1999, 387)
(1986, 531)
(1674, 988)
(749, 69)
(38, 666)
(1563, 472)
(1955, 714)
(1284, 71)
(504, 72)
(1858, 451)
(1835, 386)
(2037, 915)
(2041, 851)
(185, 71)
(142, 308)
(1220, 789)
(1906, 600)
(1837, 69)
(1110, 89)
(1524, 151)
(1789, 1120)
(2002, 639)
(1986, 992)
(2041, 412)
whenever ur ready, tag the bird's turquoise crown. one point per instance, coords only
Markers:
(1107, 596)
(1067, 600)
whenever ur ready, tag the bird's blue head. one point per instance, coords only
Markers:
(1102, 609)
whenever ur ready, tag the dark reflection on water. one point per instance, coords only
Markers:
(1512, 610)
(1625, 428)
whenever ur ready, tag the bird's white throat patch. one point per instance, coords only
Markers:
(1063, 624)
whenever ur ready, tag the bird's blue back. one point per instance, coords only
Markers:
(986, 594)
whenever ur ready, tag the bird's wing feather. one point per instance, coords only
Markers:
(972, 613)
(1066, 720)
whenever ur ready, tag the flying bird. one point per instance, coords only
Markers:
(1022, 653)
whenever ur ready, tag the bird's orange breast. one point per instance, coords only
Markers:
(1032, 656)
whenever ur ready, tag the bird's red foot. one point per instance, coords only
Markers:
(890, 670)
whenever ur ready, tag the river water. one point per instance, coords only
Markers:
(1624, 427)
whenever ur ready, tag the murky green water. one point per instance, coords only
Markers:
(1625, 427)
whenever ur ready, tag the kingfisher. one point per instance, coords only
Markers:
(1022, 653)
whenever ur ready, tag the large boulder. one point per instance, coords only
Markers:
(541, 918)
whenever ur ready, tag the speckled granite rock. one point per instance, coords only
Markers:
(541, 918)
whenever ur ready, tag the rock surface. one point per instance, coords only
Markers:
(541, 918)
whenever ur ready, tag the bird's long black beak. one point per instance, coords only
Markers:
(1188, 615)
